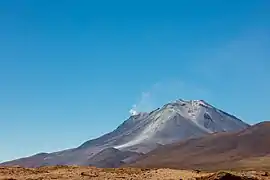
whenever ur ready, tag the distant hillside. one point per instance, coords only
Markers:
(111, 157)
(249, 148)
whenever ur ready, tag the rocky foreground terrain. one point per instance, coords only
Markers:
(76, 172)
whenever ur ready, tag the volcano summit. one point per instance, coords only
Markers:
(143, 132)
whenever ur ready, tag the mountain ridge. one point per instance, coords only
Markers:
(218, 151)
(143, 132)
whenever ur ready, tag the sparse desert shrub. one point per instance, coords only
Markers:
(89, 174)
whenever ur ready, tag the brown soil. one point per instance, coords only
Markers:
(73, 172)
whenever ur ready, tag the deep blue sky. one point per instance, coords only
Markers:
(71, 70)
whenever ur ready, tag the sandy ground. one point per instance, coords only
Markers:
(64, 172)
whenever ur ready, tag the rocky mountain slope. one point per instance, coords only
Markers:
(249, 148)
(111, 157)
(144, 132)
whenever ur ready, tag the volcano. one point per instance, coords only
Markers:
(143, 132)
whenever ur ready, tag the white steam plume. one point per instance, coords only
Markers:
(133, 111)
(165, 92)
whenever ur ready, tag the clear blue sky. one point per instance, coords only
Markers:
(71, 70)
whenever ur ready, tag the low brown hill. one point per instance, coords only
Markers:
(249, 148)
(33, 161)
